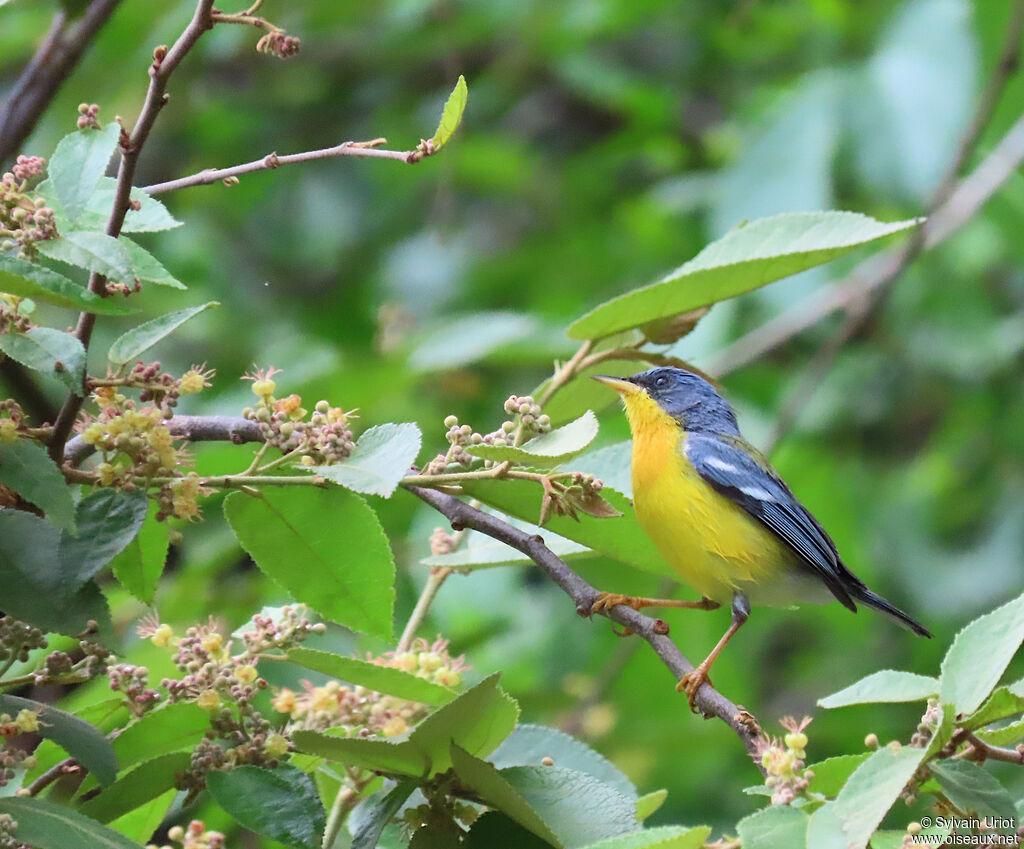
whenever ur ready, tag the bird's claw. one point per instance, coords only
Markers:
(606, 601)
(691, 682)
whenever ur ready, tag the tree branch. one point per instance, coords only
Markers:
(709, 701)
(164, 63)
(367, 150)
(49, 67)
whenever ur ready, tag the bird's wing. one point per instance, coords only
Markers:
(738, 475)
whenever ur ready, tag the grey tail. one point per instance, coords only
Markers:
(866, 596)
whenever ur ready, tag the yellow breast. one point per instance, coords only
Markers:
(714, 545)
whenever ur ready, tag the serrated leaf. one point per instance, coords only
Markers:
(28, 280)
(380, 814)
(281, 803)
(746, 258)
(973, 789)
(93, 251)
(980, 654)
(1010, 733)
(78, 164)
(565, 807)
(130, 345)
(451, 116)
(170, 727)
(379, 461)
(147, 267)
(325, 547)
(49, 351)
(662, 837)
(45, 825)
(35, 589)
(528, 744)
(886, 685)
(479, 551)
(383, 679)
(151, 778)
(138, 568)
(76, 736)
(107, 520)
(151, 217)
(477, 720)
(871, 790)
(548, 449)
(831, 774)
(27, 468)
(1001, 704)
(776, 827)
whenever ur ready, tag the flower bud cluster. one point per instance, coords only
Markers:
(526, 422)
(12, 320)
(442, 542)
(292, 627)
(17, 639)
(195, 836)
(24, 216)
(88, 116)
(366, 713)
(279, 43)
(133, 682)
(784, 761)
(8, 833)
(926, 727)
(11, 758)
(12, 418)
(322, 440)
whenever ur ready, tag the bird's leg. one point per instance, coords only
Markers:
(606, 601)
(692, 681)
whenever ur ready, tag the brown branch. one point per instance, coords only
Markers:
(366, 150)
(58, 770)
(48, 69)
(709, 701)
(164, 63)
(982, 751)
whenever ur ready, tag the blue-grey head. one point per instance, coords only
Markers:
(687, 398)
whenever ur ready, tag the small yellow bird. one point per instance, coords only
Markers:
(720, 514)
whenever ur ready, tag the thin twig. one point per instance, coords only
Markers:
(164, 63)
(709, 701)
(43, 76)
(982, 751)
(208, 176)
(438, 575)
(55, 772)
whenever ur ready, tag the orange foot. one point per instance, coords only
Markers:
(691, 682)
(606, 601)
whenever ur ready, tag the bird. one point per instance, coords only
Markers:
(720, 515)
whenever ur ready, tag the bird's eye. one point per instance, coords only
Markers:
(660, 382)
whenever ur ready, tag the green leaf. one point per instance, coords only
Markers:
(380, 814)
(621, 538)
(138, 568)
(1001, 704)
(581, 393)
(76, 736)
(26, 468)
(170, 727)
(281, 803)
(49, 351)
(477, 721)
(35, 589)
(746, 258)
(380, 460)
(1010, 733)
(152, 215)
(825, 830)
(564, 807)
(663, 837)
(466, 339)
(383, 679)
(107, 520)
(28, 280)
(872, 789)
(972, 789)
(776, 827)
(886, 685)
(148, 268)
(548, 449)
(324, 546)
(451, 117)
(649, 803)
(151, 778)
(45, 825)
(141, 823)
(129, 345)
(479, 551)
(980, 654)
(95, 252)
(529, 744)
(831, 774)
(77, 166)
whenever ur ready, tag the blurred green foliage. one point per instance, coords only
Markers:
(604, 143)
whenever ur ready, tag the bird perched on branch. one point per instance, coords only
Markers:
(720, 514)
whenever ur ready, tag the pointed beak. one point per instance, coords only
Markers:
(620, 384)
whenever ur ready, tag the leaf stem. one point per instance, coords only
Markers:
(438, 575)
